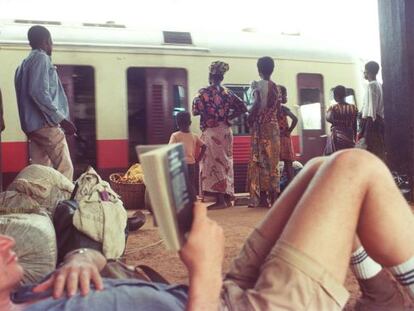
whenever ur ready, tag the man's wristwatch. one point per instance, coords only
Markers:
(75, 252)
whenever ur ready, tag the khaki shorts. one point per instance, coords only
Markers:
(285, 279)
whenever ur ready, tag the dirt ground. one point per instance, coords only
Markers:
(145, 246)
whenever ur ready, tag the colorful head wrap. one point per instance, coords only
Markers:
(218, 67)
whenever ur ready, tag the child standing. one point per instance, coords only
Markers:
(287, 154)
(194, 148)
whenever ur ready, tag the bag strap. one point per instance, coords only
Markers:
(153, 275)
(75, 190)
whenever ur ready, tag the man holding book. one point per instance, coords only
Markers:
(295, 259)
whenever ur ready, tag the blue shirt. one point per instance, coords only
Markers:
(40, 95)
(119, 295)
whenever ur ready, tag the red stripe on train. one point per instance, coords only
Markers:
(14, 156)
(112, 153)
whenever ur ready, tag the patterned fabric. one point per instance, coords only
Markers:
(216, 167)
(263, 169)
(269, 103)
(343, 130)
(215, 104)
(218, 67)
(342, 115)
(286, 148)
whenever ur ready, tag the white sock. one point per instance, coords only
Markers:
(363, 266)
(404, 273)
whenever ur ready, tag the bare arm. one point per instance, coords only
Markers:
(329, 116)
(203, 256)
(355, 128)
(202, 152)
(294, 120)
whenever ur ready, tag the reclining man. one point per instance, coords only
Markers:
(295, 259)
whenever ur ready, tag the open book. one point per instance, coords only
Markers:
(170, 191)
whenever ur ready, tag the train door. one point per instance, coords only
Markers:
(79, 85)
(155, 96)
(312, 115)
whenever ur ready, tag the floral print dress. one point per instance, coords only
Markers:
(216, 105)
(263, 169)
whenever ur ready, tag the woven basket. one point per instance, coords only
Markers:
(132, 195)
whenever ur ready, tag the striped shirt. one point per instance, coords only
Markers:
(342, 115)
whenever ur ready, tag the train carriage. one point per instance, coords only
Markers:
(125, 85)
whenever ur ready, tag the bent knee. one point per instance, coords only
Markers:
(355, 159)
(316, 162)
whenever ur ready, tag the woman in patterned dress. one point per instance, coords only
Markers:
(216, 106)
(287, 154)
(343, 117)
(263, 170)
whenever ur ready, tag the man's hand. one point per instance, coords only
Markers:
(204, 250)
(68, 127)
(203, 256)
(77, 272)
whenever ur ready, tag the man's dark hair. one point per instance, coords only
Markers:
(183, 119)
(265, 65)
(339, 91)
(37, 35)
(372, 67)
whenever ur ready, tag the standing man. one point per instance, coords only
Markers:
(43, 106)
(372, 113)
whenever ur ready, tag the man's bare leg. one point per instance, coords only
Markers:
(352, 191)
(276, 219)
(245, 268)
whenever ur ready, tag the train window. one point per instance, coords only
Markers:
(179, 102)
(240, 126)
(179, 96)
(310, 109)
(79, 85)
(350, 96)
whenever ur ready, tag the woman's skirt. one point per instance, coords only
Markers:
(286, 149)
(216, 167)
(340, 138)
(263, 171)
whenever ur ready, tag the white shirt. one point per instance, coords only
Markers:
(372, 104)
